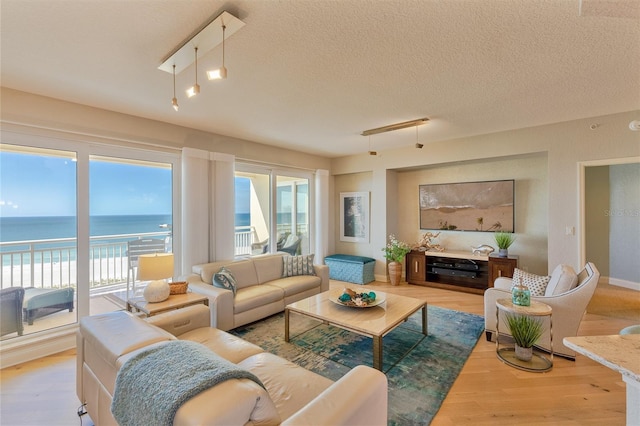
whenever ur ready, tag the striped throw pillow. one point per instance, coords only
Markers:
(297, 265)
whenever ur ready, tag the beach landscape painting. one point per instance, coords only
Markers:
(469, 206)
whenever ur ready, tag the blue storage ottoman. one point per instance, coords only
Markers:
(353, 269)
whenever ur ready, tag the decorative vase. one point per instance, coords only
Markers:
(395, 272)
(524, 354)
(520, 295)
(503, 252)
(157, 291)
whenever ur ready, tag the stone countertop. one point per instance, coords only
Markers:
(618, 352)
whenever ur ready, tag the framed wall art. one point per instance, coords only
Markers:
(354, 217)
(468, 206)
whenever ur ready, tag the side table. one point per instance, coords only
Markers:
(175, 301)
(538, 363)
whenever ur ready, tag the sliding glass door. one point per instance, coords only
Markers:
(38, 239)
(273, 210)
(68, 209)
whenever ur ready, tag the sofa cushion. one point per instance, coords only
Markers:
(245, 273)
(297, 284)
(290, 386)
(563, 279)
(225, 279)
(255, 296)
(226, 345)
(268, 267)
(537, 284)
(298, 265)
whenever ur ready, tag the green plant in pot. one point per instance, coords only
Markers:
(504, 241)
(526, 331)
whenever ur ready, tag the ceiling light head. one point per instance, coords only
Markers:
(635, 125)
(193, 90)
(174, 102)
(373, 153)
(220, 73)
(419, 145)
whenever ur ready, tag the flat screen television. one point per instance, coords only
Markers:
(469, 206)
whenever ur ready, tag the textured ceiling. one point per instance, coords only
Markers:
(312, 75)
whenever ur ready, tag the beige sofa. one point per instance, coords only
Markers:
(261, 290)
(293, 395)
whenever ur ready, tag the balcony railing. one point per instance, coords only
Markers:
(52, 263)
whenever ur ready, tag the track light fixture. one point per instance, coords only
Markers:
(206, 38)
(195, 89)
(220, 73)
(174, 101)
(396, 126)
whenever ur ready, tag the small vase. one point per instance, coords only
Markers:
(395, 272)
(503, 253)
(524, 354)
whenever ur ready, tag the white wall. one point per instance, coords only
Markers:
(565, 144)
(531, 205)
(624, 217)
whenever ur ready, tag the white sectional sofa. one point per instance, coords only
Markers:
(291, 395)
(261, 289)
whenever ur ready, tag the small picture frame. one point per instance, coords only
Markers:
(354, 217)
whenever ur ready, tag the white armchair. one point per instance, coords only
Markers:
(568, 306)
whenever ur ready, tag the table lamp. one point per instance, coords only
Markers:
(155, 268)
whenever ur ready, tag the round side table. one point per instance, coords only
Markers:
(538, 363)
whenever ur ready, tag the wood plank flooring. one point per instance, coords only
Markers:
(487, 392)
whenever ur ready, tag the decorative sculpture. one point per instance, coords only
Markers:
(483, 250)
(425, 243)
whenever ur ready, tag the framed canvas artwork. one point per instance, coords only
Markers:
(354, 217)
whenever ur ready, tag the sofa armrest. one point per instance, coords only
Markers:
(358, 398)
(180, 321)
(323, 272)
(503, 283)
(220, 303)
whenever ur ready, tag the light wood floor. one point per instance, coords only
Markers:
(581, 392)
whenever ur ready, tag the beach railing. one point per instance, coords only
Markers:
(52, 263)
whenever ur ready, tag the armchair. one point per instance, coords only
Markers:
(11, 300)
(568, 306)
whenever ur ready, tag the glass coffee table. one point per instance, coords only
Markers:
(375, 321)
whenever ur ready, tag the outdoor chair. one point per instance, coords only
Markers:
(135, 248)
(11, 310)
(39, 302)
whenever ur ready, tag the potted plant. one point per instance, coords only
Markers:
(394, 252)
(525, 331)
(504, 240)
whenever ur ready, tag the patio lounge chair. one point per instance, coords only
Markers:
(11, 310)
(39, 302)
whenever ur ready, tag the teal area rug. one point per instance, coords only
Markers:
(420, 369)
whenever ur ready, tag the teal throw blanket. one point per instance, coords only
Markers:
(151, 386)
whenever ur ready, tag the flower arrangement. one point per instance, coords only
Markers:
(395, 251)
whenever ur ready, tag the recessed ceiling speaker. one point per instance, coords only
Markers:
(635, 125)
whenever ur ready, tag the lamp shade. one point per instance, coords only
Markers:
(156, 266)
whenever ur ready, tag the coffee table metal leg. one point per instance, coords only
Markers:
(377, 352)
(425, 328)
(286, 325)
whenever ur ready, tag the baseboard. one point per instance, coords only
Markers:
(27, 348)
(622, 283)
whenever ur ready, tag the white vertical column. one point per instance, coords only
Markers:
(322, 215)
(195, 208)
(223, 206)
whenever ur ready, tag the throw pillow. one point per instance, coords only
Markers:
(297, 265)
(225, 279)
(537, 284)
(563, 279)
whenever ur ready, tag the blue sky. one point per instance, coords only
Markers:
(33, 185)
